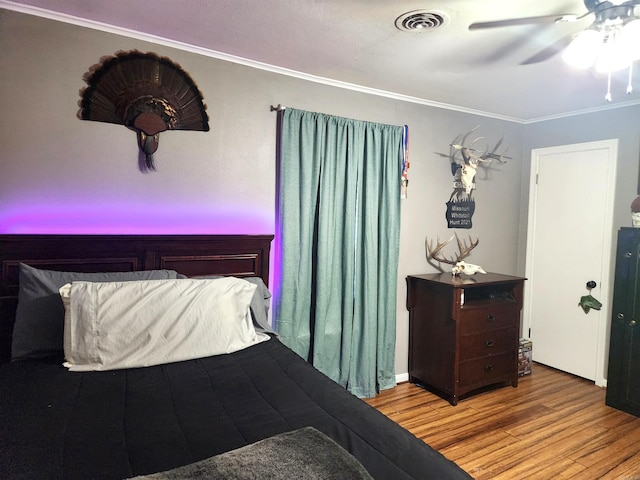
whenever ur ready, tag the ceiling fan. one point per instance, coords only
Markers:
(610, 18)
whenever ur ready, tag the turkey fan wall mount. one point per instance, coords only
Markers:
(146, 93)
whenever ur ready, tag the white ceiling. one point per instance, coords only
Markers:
(355, 43)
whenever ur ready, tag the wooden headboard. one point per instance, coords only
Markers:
(191, 255)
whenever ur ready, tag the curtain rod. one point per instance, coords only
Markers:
(278, 108)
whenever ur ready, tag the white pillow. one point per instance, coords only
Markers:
(118, 325)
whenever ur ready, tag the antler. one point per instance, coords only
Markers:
(464, 249)
(433, 252)
(485, 156)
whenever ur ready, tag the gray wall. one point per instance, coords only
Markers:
(61, 174)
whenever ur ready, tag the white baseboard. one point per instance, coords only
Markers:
(402, 377)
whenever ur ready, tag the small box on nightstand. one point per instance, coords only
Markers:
(524, 357)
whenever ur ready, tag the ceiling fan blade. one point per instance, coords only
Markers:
(522, 21)
(550, 51)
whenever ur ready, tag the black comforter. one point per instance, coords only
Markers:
(117, 424)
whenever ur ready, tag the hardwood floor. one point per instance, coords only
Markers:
(553, 426)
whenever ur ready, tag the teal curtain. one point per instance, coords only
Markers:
(338, 243)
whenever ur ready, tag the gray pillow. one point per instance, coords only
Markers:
(39, 327)
(260, 304)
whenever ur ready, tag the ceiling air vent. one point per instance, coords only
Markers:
(418, 21)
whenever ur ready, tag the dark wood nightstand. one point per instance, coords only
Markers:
(463, 331)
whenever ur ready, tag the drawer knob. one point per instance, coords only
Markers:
(489, 343)
(490, 318)
(488, 368)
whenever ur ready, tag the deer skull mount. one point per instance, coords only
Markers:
(458, 265)
(465, 161)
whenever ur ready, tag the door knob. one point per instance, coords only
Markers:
(591, 284)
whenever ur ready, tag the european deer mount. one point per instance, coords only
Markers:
(464, 167)
(458, 265)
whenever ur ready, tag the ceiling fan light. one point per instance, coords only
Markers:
(630, 39)
(583, 51)
(612, 58)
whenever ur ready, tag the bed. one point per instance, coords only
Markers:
(259, 411)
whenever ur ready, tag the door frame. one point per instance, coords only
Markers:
(608, 237)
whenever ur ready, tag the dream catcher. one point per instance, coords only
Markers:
(146, 93)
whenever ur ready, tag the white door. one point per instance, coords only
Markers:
(569, 244)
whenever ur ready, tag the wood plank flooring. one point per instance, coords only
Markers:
(552, 426)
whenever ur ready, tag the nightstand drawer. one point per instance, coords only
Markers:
(491, 342)
(488, 318)
(483, 371)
